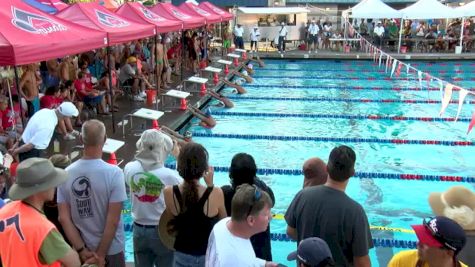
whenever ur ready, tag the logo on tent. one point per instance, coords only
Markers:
(218, 11)
(179, 14)
(35, 23)
(110, 21)
(201, 11)
(150, 15)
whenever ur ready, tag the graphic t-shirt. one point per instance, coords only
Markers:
(91, 186)
(146, 191)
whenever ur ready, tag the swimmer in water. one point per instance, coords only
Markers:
(258, 60)
(181, 140)
(239, 88)
(207, 120)
(242, 75)
(224, 100)
(249, 68)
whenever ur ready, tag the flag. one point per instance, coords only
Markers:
(462, 94)
(380, 58)
(472, 123)
(447, 96)
(393, 68)
(398, 70)
(419, 75)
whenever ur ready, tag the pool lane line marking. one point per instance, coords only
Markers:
(338, 116)
(272, 62)
(355, 100)
(310, 77)
(440, 72)
(323, 87)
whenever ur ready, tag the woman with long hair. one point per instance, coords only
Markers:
(195, 207)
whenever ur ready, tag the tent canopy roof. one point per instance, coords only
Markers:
(29, 35)
(467, 10)
(172, 12)
(429, 9)
(198, 11)
(225, 16)
(375, 9)
(135, 11)
(94, 16)
(273, 10)
(41, 6)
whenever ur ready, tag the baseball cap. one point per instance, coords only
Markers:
(312, 251)
(441, 232)
(68, 109)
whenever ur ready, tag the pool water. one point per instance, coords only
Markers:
(265, 123)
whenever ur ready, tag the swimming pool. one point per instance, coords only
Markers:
(295, 110)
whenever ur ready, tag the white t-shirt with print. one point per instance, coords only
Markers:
(313, 29)
(227, 250)
(92, 184)
(146, 191)
(40, 128)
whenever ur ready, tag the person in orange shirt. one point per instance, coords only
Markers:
(27, 237)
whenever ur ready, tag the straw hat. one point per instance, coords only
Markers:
(457, 203)
(35, 175)
(167, 237)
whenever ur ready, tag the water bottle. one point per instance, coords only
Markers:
(56, 147)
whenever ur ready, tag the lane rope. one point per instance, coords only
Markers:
(324, 87)
(338, 116)
(354, 100)
(337, 77)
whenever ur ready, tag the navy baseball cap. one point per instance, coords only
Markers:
(441, 232)
(312, 251)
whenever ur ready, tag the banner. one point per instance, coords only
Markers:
(380, 58)
(462, 94)
(447, 97)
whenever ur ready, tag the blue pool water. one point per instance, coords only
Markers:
(392, 203)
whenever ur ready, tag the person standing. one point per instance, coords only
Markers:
(147, 177)
(282, 37)
(90, 202)
(27, 237)
(313, 31)
(255, 36)
(378, 34)
(238, 33)
(326, 211)
(314, 172)
(40, 129)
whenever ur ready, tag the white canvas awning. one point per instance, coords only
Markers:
(429, 9)
(273, 10)
(374, 9)
(467, 10)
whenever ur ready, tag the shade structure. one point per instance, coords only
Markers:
(135, 11)
(43, 7)
(172, 12)
(29, 35)
(467, 10)
(429, 9)
(225, 16)
(375, 9)
(94, 16)
(57, 4)
(109, 4)
(195, 10)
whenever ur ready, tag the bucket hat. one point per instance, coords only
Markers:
(457, 203)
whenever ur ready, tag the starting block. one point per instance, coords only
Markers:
(176, 95)
(143, 113)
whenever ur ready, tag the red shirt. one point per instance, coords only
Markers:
(49, 101)
(8, 117)
(81, 85)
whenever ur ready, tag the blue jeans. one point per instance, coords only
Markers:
(187, 260)
(149, 250)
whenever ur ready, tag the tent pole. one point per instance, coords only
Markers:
(222, 38)
(109, 72)
(17, 80)
(157, 86)
(182, 54)
(461, 33)
(11, 105)
(400, 35)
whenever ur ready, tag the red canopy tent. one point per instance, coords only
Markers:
(29, 35)
(135, 11)
(225, 16)
(94, 16)
(170, 11)
(195, 10)
(55, 3)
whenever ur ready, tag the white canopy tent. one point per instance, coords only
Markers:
(427, 9)
(374, 9)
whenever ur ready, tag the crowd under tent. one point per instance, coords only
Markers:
(268, 19)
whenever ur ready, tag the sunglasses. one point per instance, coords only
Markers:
(257, 196)
(446, 242)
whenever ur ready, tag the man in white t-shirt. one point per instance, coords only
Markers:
(229, 243)
(282, 37)
(147, 177)
(90, 202)
(40, 129)
(238, 32)
(313, 31)
(255, 35)
(378, 34)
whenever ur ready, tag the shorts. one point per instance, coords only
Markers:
(92, 100)
(227, 43)
(128, 82)
(313, 38)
